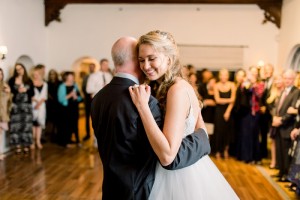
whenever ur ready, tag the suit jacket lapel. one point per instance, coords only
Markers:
(286, 102)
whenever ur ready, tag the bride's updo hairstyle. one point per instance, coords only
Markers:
(163, 42)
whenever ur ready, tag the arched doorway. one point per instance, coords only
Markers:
(26, 61)
(81, 68)
(294, 58)
(294, 63)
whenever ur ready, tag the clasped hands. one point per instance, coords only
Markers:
(140, 94)
(276, 122)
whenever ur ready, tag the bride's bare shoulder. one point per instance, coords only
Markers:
(179, 87)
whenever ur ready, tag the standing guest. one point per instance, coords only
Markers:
(185, 72)
(242, 103)
(39, 106)
(248, 144)
(209, 105)
(99, 79)
(224, 93)
(42, 69)
(87, 101)
(205, 75)
(69, 98)
(297, 80)
(21, 113)
(5, 105)
(52, 104)
(189, 74)
(293, 174)
(193, 81)
(272, 100)
(284, 123)
(265, 119)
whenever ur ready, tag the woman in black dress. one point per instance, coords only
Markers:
(52, 105)
(69, 98)
(209, 105)
(248, 100)
(21, 113)
(224, 93)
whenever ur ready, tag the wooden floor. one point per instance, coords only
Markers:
(76, 173)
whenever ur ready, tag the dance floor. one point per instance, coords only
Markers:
(76, 173)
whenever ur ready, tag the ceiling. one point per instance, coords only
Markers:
(272, 8)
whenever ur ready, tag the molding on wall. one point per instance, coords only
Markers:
(272, 13)
(52, 10)
(272, 8)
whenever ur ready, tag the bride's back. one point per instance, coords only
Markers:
(191, 104)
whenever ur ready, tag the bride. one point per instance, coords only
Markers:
(159, 60)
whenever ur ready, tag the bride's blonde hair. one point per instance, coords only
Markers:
(164, 42)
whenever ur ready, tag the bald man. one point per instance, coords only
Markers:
(127, 157)
(284, 123)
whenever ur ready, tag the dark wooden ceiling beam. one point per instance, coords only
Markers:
(272, 8)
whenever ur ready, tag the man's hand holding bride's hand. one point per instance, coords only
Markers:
(140, 94)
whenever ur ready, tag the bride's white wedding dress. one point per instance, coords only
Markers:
(200, 181)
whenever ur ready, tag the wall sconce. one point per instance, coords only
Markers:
(3, 52)
(260, 63)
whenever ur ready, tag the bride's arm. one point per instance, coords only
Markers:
(167, 142)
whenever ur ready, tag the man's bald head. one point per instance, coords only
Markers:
(124, 51)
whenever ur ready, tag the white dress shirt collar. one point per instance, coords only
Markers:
(129, 76)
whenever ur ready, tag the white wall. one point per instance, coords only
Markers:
(91, 29)
(290, 30)
(22, 30)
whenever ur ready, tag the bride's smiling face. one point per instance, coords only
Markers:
(153, 63)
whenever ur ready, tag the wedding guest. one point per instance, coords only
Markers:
(39, 106)
(209, 105)
(293, 174)
(99, 79)
(251, 92)
(52, 105)
(224, 94)
(87, 100)
(271, 101)
(241, 101)
(205, 75)
(69, 99)
(5, 105)
(21, 113)
(284, 123)
(265, 119)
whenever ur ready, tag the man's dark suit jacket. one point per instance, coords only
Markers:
(127, 157)
(288, 120)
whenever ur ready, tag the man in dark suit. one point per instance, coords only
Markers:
(87, 101)
(284, 123)
(127, 157)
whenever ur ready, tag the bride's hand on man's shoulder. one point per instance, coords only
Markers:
(140, 94)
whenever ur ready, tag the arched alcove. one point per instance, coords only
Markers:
(294, 58)
(26, 61)
(81, 67)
